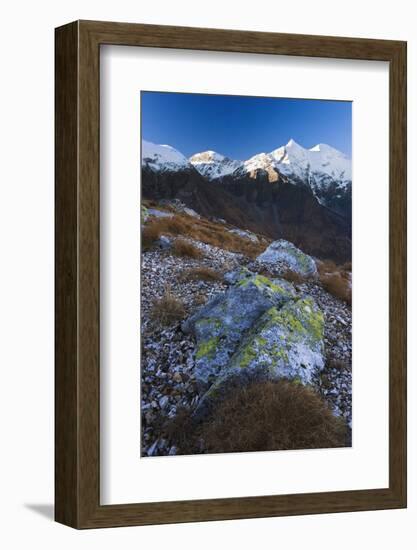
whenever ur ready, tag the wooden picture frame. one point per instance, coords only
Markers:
(77, 431)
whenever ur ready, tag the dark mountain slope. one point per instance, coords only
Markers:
(278, 210)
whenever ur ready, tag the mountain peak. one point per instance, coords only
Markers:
(324, 148)
(213, 165)
(162, 157)
(206, 156)
(293, 143)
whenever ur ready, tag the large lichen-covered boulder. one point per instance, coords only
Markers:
(285, 343)
(286, 253)
(220, 325)
(282, 343)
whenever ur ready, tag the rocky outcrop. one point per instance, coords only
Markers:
(285, 253)
(257, 329)
(221, 324)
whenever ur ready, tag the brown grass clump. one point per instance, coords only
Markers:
(182, 248)
(150, 233)
(202, 230)
(200, 274)
(263, 416)
(339, 286)
(337, 280)
(168, 309)
(161, 226)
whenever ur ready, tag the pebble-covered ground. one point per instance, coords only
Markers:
(167, 359)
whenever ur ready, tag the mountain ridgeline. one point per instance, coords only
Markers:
(301, 195)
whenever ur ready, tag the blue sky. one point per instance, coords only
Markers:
(239, 127)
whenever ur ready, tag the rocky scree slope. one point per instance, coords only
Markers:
(244, 326)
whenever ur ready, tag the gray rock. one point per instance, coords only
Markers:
(190, 212)
(159, 213)
(245, 234)
(233, 277)
(285, 343)
(163, 402)
(153, 448)
(282, 251)
(164, 242)
(219, 326)
(179, 206)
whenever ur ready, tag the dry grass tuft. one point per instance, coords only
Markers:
(339, 286)
(337, 280)
(184, 248)
(263, 416)
(212, 233)
(200, 274)
(168, 309)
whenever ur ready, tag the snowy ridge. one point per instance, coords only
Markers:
(162, 158)
(324, 169)
(292, 159)
(213, 165)
(322, 164)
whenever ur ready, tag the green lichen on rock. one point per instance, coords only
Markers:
(277, 287)
(286, 342)
(144, 214)
(288, 254)
(237, 275)
(303, 317)
(228, 316)
(248, 354)
(207, 348)
(261, 282)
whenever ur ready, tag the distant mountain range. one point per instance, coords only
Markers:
(300, 194)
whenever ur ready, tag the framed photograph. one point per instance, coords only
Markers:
(230, 274)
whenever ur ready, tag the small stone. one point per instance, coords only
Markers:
(163, 402)
(153, 448)
(177, 378)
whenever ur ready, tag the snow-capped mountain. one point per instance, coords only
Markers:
(162, 158)
(291, 192)
(212, 165)
(294, 160)
(320, 163)
(323, 169)
(260, 163)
